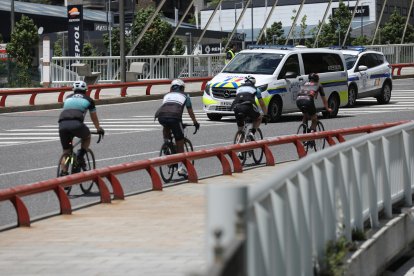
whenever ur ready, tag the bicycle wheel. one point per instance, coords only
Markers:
(319, 144)
(238, 139)
(67, 161)
(167, 171)
(89, 165)
(303, 129)
(258, 152)
(188, 147)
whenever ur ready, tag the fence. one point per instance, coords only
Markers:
(395, 53)
(290, 218)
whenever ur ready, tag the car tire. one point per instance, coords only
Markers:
(214, 116)
(333, 103)
(274, 110)
(352, 95)
(385, 95)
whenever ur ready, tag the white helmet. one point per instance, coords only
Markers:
(177, 85)
(80, 86)
(250, 80)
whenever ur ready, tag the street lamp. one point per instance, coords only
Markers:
(190, 46)
(273, 39)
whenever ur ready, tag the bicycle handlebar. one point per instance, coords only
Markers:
(187, 125)
(101, 136)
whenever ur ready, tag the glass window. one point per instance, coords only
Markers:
(380, 59)
(291, 65)
(350, 61)
(254, 63)
(322, 63)
(368, 60)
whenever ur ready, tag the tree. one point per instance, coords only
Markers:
(57, 48)
(303, 27)
(274, 34)
(23, 38)
(115, 47)
(361, 40)
(394, 28)
(89, 50)
(334, 31)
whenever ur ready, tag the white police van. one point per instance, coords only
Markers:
(280, 72)
(369, 75)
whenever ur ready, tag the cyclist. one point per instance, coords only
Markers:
(170, 116)
(244, 105)
(306, 99)
(71, 122)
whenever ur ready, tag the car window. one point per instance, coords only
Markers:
(368, 60)
(291, 65)
(350, 61)
(380, 59)
(322, 62)
(254, 63)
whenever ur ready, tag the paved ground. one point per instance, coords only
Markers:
(158, 233)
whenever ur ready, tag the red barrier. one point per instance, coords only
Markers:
(399, 67)
(97, 87)
(14, 194)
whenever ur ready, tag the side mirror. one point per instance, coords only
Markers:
(290, 75)
(362, 68)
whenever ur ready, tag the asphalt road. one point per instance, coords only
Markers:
(30, 147)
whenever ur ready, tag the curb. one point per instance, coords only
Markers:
(114, 100)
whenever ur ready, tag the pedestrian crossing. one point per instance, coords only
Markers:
(401, 100)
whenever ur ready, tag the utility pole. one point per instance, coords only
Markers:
(11, 17)
(122, 40)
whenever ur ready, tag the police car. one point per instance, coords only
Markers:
(369, 75)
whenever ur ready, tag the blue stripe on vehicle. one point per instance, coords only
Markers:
(277, 90)
(335, 83)
(234, 84)
(353, 79)
(376, 76)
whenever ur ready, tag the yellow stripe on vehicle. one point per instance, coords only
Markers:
(209, 101)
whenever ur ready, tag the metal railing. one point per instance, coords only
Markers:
(160, 67)
(395, 53)
(291, 217)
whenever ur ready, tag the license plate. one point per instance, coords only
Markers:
(225, 104)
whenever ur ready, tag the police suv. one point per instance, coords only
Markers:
(280, 72)
(369, 75)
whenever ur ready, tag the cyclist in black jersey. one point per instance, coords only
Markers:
(71, 120)
(306, 99)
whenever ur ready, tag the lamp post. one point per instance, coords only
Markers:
(190, 46)
(273, 39)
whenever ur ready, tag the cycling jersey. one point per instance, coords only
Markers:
(173, 105)
(246, 94)
(75, 107)
(305, 100)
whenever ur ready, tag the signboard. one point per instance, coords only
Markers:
(212, 48)
(3, 52)
(75, 30)
(361, 11)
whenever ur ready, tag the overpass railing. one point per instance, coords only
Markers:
(395, 53)
(290, 218)
(15, 194)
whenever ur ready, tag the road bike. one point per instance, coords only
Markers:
(70, 162)
(317, 144)
(244, 136)
(169, 147)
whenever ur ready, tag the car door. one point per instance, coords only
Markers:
(292, 84)
(363, 75)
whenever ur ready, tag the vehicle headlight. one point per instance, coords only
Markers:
(262, 88)
(207, 89)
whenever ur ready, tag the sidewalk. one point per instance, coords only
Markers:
(154, 233)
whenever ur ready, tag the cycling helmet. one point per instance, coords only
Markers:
(250, 80)
(177, 85)
(313, 77)
(80, 86)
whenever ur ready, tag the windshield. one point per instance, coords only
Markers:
(254, 63)
(350, 61)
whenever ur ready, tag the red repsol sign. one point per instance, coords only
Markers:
(75, 30)
(3, 52)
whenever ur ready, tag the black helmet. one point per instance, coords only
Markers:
(250, 80)
(313, 77)
(177, 85)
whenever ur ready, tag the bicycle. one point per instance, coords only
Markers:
(168, 148)
(317, 144)
(70, 161)
(242, 136)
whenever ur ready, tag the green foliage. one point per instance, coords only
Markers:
(335, 254)
(358, 235)
(89, 50)
(361, 40)
(394, 28)
(21, 47)
(335, 30)
(302, 31)
(153, 40)
(57, 48)
(274, 30)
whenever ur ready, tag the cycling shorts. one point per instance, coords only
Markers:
(307, 106)
(72, 128)
(175, 125)
(243, 111)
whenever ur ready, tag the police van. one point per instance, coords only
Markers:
(280, 72)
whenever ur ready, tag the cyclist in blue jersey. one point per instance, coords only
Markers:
(244, 105)
(71, 120)
(170, 116)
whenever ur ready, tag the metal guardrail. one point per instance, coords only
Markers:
(14, 194)
(97, 88)
(291, 217)
(395, 53)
